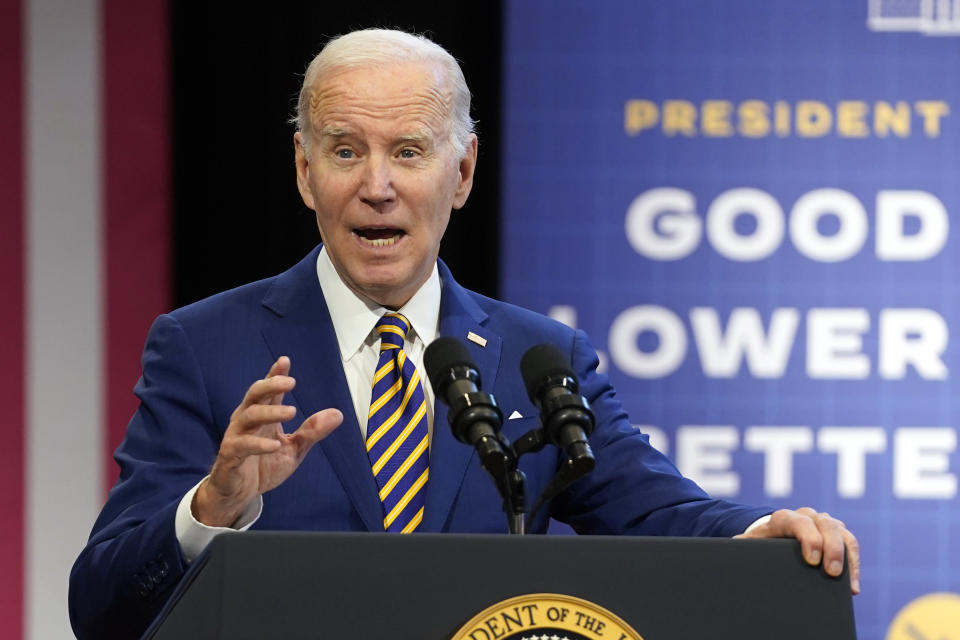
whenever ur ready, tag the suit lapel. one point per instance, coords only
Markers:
(303, 331)
(459, 316)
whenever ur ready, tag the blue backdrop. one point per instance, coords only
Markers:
(747, 206)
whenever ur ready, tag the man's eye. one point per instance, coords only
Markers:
(408, 153)
(345, 154)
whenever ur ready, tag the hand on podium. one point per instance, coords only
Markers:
(822, 538)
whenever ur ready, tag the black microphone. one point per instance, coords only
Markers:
(565, 415)
(474, 415)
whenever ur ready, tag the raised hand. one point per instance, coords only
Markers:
(255, 454)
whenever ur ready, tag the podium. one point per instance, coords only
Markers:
(427, 587)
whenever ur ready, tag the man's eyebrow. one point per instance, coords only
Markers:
(416, 137)
(419, 137)
(335, 132)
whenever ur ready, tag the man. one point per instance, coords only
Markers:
(384, 151)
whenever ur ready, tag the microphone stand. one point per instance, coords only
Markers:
(476, 417)
(510, 481)
(572, 469)
(530, 442)
(500, 459)
(516, 503)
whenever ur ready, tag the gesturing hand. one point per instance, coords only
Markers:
(255, 454)
(822, 538)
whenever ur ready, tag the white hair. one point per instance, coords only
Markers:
(375, 47)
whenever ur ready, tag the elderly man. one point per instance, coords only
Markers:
(384, 151)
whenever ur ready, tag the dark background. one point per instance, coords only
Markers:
(237, 68)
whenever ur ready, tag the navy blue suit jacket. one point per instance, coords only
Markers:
(199, 362)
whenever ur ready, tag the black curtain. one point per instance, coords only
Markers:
(236, 70)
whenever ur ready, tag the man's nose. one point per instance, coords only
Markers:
(377, 184)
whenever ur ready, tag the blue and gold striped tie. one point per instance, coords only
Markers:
(397, 430)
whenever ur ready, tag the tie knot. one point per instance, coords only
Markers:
(392, 328)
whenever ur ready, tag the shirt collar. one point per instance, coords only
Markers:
(354, 317)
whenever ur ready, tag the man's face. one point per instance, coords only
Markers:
(382, 175)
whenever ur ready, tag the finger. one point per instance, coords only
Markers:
(258, 415)
(268, 391)
(853, 560)
(810, 513)
(241, 447)
(833, 544)
(798, 524)
(316, 428)
(280, 368)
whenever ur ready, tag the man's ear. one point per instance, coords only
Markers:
(303, 170)
(465, 176)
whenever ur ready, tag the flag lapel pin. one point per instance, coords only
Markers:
(472, 337)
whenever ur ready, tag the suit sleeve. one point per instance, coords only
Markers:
(132, 560)
(635, 489)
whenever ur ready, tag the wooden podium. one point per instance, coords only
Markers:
(426, 587)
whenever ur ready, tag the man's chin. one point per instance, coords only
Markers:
(392, 293)
(389, 283)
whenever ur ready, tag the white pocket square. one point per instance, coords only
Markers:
(514, 415)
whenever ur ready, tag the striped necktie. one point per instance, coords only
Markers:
(397, 430)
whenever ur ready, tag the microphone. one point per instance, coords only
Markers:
(474, 415)
(566, 415)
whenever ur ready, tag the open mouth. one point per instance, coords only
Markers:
(379, 236)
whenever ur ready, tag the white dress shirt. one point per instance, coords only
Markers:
(354, 320)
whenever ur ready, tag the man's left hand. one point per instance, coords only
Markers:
(822, 538)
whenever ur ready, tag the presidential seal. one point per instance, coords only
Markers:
(545, 616)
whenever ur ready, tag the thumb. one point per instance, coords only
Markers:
(316, 428)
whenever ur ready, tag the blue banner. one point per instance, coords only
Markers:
(748, 207)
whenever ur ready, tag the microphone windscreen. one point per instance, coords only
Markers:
(541, 362)
(441, 356)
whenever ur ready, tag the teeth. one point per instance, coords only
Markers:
(381, 242)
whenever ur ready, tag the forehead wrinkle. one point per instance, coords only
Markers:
(412, 107)
(333, 101)
(415, 125)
